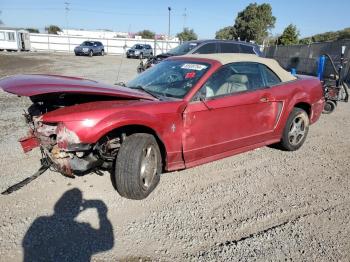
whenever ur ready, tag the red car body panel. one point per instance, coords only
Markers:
(192, 132)
(32, 85)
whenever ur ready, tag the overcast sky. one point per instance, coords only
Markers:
(205, 17)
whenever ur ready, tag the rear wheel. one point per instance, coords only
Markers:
(138, 166)
(295, 130)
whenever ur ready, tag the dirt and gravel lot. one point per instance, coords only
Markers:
(262, 205)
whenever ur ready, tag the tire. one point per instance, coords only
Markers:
(295, 130)
(127, 56)
(150, 55)
(138, 166)
(329, 107)
(102, 52)
(91, 53)
(141, 56)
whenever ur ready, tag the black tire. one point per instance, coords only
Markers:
(293, 139)
(150, 55)
(91, 53)
(329, 107)
(141, 56)
(102, 52)
(138, 166)
(127, 56)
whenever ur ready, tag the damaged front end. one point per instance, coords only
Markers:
(60, 146)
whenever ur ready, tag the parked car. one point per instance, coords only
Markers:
(203, 47)
(90, 48)
(183, 112)
(140, 51)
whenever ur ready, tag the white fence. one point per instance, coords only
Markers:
(61, 43)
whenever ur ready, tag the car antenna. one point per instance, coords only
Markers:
(121, 62)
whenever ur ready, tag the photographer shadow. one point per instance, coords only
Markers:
(60, 238)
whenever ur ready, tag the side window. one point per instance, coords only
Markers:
(229, 48)
(270, 77)
(233, 78)
(247, 49)
(11, 36)
(209, 48)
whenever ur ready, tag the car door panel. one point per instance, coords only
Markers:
(227, 123)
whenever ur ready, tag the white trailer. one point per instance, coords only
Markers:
(14, 39)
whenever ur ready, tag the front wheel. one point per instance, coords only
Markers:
(141, 56)
(91, 53)
(138, 166)
(102, 52)
(295, 130)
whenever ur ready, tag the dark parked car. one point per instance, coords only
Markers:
(90, 48)
(140, 51)
(203, 47)
(183, 112)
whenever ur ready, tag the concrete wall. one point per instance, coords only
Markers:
(114, 46)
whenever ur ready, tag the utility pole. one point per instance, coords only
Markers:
(67, 10)
(184, 16)
(169, 9)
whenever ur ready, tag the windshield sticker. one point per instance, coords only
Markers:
(190, 75)
(196, 67)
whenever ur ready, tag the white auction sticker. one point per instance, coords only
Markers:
(194, 67)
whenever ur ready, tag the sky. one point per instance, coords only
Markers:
(205, 17)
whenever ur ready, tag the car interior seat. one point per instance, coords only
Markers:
(234, 83)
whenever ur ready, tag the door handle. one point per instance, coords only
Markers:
(264, 99)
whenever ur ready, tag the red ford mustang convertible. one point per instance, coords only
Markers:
(183, 112)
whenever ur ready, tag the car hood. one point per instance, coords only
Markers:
(32, 85)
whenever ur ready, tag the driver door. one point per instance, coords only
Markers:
(233, 110)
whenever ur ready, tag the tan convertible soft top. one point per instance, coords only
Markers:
(225, 58)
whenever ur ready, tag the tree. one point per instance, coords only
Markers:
(32, 30)
(327, 36)
(187, 35)
(53, 29)
(146, 34)
(226, 33)
(253, 23)
(289, 36)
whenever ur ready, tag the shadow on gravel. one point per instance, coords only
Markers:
(60, 238)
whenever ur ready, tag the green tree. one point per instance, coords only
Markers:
(226, 33)
(289, 36)
(32, 30)
(146, 34)
(253, 23)
(53, 29)
(187, 35)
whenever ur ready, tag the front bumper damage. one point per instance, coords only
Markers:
(61, 147)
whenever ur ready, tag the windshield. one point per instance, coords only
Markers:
(183, 48)
(86, 44)
(137, 47)
(170, 78)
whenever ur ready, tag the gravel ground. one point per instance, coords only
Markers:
(261, 205)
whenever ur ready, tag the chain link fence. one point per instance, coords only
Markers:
(304, 58)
